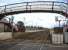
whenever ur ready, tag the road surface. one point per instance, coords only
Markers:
(28, 45)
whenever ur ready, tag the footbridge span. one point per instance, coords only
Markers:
(35, 6)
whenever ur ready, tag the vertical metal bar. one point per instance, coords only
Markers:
(26, 6)
(52, 6)
(5, 9)
(9, 20)
(12, 23)
(66, 12)
(12, 27)
(60, 31)
(30, 8)
(4, 27)
(59, 23)
(5, 15)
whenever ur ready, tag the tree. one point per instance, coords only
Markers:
(20, 26)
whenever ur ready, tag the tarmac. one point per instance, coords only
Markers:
(29, 45)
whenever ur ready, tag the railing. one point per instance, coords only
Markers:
(36, 5)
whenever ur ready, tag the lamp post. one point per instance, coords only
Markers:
(56, 18)
(12, 18)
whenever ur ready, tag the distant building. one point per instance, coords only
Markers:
(5, 26)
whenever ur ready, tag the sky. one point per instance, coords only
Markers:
(46, 20)
(35, 19)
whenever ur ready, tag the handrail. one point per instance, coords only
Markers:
(34, 2)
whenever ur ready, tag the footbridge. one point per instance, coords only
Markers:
(35, 6)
